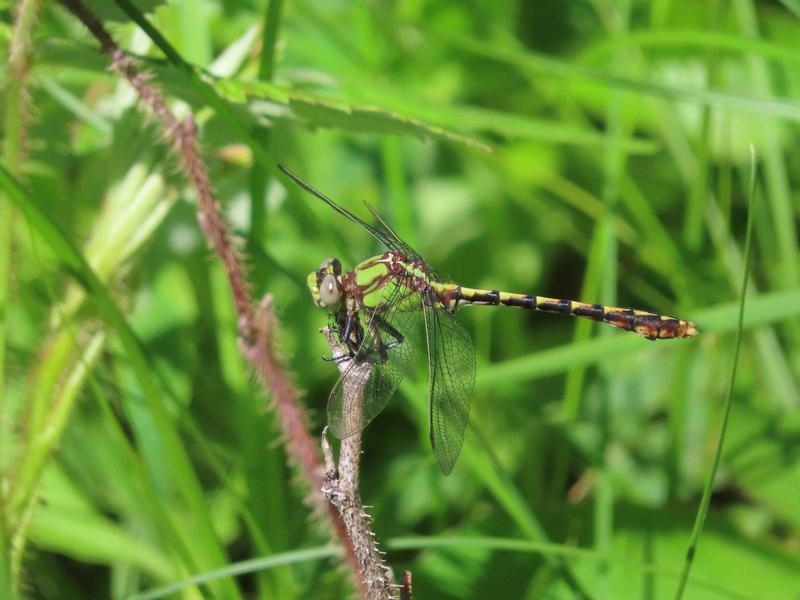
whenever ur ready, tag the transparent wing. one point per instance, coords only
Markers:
(395, 242)
(383, 233)
(385, 355)
(451, 362)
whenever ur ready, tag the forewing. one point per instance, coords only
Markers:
(395, 242)
(386, 353)
(382, 232)
(451, 362)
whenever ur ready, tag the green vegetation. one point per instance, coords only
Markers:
(588, 149)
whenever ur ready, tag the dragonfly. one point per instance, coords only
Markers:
(378, 309)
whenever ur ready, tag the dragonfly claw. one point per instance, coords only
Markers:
(336, 359)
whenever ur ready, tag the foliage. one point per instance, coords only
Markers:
(137, 451)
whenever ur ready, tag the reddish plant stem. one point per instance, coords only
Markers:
(256, 328)
(302, 448)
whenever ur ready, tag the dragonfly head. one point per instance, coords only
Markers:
(325, 283)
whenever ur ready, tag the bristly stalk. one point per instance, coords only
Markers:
(14, 123)
(705, 501)
(301, 446)
(256, 328)
(342, 481)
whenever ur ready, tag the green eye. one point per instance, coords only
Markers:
(329, 292)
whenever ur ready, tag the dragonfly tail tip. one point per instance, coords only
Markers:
(691, 329)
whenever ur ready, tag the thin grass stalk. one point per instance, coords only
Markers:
(400, 208)
(15, 119)
(259, 177)
(570, 403)
(618, 23)
(14, 123)
(705, 501)
(39, 447)
(515, 545)
(272, 25)
(174, 452)
(779, 196)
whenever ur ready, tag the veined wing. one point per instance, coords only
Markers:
(402, 246)
(383, 233)
(398, 242)
(382, 236)
(451, 365)
(384, 357)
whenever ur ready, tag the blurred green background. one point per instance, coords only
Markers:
(619, 172)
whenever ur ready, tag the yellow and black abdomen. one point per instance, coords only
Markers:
(653, 326)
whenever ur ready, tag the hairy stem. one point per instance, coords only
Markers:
(342, 489)
(14, 122)
(256, 327)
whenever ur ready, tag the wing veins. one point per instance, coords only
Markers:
(380, 384)
(451, 361)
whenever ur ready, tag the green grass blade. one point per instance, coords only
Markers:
(510, 125)
(15, 98)
(429, 543)
(95, 538)
(75, 106)
(259, 179)
(239, 568)
(530, 62)
(683, 39)
(272, 23)
(705, 501)
(185, 477)
(793, 6)
(370, 119)
(399, 206)
(204, 89)
(485, 467)
(5, 570)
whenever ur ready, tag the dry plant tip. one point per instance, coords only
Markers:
(327, 453)
(405, 586)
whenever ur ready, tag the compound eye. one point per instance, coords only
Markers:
(329, 292)
(334, 263)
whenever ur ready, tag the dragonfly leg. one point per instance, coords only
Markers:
(384, 325)
(337, 359)
(378, 354)
(350, 333)
(344, 328)
(346, 334)
(354, 341)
